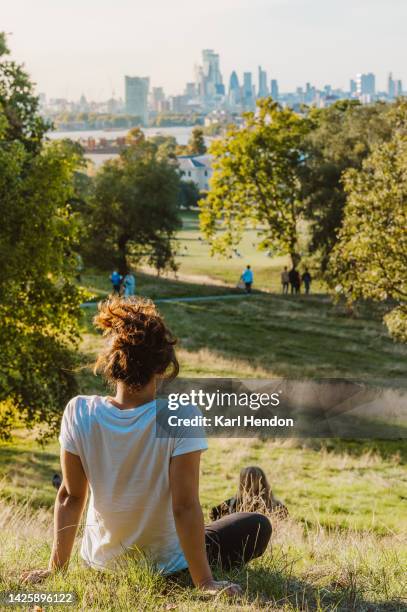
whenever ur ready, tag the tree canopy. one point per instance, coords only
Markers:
(196, 144)
(256, 181)
(134, 212)
(370, 258)
(341, 137)
(39, 303)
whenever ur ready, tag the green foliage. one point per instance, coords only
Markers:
(134, 212)
(196, 144)
(177, 119)
(256, 181)
(342, 136)
(38, 300)
(370, 258)
(18, 104)
(84, 120)
(189, 194)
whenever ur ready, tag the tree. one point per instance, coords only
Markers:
(196, 144)
(370, 257)
(18, 104)
(134, 213)
(341, 137)
(256, 181)
(189, 194)
(39, 303)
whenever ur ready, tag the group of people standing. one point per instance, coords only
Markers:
(289, 278)
(293, 279)
(123, 285)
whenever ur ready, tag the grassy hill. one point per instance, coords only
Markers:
(342, 547)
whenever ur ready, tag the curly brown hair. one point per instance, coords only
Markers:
(140, 345)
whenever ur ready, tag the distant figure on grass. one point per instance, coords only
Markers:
(254, 495)
(129, 285)
(285, 279)
(116, 280)
(247, 278)
(306, 279)
(144, 490)
(295, 280)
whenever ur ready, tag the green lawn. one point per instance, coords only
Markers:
(194, 258)
(343, 547)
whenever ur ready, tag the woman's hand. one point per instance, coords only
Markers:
(214, 587)
(34, 576)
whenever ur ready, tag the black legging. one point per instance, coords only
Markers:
(237, 538)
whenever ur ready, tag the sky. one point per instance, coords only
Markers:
(72, 47)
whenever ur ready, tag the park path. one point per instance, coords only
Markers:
(200, 279)
(200, 298)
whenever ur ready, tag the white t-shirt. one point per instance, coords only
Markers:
(127, 468)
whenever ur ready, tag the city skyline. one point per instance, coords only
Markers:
(82, 49)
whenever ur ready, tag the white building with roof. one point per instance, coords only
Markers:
(196, 168)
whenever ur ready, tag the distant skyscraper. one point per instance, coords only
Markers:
(209, 78)
(366, 84)
(263, 89)
(136, 96)
(274, 89)
(352, 87)
(399, 88)
(234, 90)
(391, 86)
(190, 90)
(157, 99)
(248, 100)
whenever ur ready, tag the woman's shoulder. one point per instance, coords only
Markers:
(82, 405)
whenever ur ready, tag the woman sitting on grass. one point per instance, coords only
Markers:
(143, 489)
(254, 495)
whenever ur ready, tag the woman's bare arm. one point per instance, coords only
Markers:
(69, 506)
(68, 509)
(189, 522)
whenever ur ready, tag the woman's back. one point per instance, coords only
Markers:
(127, 468)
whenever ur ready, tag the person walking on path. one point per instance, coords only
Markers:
(295, 280)
(285, 280)
(306, 279)
(116, 280)
(129, 284)
(247, 278)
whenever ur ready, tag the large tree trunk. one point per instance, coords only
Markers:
(122, 258)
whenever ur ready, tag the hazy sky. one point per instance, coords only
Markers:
(75, 46)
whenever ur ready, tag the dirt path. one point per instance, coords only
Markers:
(199, 279)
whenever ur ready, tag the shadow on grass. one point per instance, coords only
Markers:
(277, 588)
(281, 588)
(390, 450)
(26, 475)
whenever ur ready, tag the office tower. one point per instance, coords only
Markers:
(391, 86)
(352, 87)
(398, 88)
(234, 90)
(248, 98)
(157, 99)
(209, 77)
(274, 89)
(136, 96)
(178, 104)
(190, 90)
(366, 84)
(309, 93)
(263, 89)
